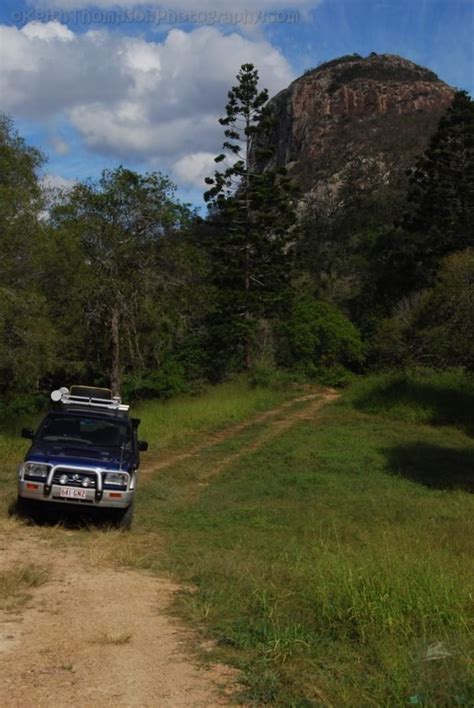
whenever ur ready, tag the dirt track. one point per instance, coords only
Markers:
(96, 635)
(280, 421)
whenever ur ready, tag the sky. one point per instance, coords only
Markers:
(143, 85)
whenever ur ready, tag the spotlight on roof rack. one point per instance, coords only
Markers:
(56, 396)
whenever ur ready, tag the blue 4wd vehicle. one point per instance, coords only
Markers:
(85, 454)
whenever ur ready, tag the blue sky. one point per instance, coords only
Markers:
(95, 86)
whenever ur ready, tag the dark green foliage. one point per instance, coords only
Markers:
(434, 327)
(273, 378)
(106, 284)
(319, 340)
(167, 381)
(338, 235)
(440, 215)
(442, 183)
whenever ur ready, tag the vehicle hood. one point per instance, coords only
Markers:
(76, 456)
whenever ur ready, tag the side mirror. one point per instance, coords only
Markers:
(27, 433)
(142, 446)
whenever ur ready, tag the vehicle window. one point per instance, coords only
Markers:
(89, 431)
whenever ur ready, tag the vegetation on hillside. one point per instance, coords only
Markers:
(117, 282)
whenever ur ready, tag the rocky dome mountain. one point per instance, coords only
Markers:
(355, 120)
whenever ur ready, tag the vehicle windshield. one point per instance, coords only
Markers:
(85, 430)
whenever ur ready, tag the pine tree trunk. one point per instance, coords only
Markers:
(248, 338)
(116, 370)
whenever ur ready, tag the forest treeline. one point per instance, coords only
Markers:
(115, 281)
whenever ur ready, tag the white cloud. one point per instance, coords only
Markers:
(129, 98)
(48, 31)
(194, 168)
(45, 69)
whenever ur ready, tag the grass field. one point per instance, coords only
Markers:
(333, 565)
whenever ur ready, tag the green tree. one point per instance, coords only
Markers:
(122, 224)
(439, 218)
(26, 333)
(441, 191)
(252, 219)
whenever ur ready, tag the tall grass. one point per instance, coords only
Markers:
(177, 421)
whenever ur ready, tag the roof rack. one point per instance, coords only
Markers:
(89, 396)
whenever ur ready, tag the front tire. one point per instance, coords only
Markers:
(26, 508)
(123, 518)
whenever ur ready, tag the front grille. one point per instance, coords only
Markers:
(34, 478)
(75, 478)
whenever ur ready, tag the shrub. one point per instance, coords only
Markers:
(434, 327)
(263, 376)
(321, 341)
(168, 381)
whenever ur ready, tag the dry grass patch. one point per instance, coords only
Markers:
(15, 583)
(115, 638)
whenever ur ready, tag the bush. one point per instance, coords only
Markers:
(166, 382)
(21, 405)
(267, 377)
(320, 341)
(434, 327)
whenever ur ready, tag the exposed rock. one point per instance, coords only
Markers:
(358, 120)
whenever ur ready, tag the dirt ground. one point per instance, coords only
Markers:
(96, 635)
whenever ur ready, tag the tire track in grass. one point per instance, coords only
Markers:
(276, 429)
(285, 420)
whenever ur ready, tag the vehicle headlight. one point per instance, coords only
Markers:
(116, 478)
(33, 469)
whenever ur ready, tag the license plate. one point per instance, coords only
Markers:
(72, 493)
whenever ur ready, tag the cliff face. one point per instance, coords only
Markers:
(358, 121)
